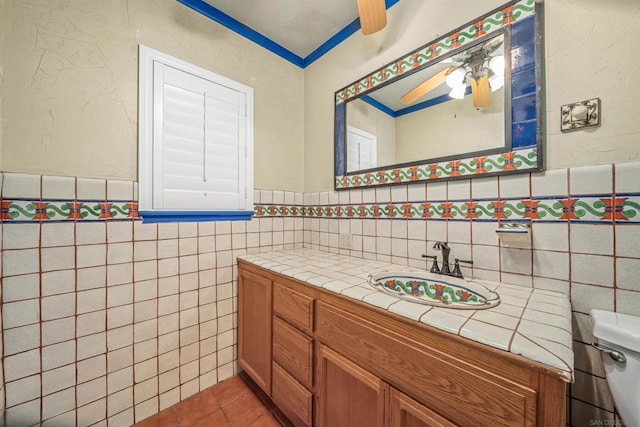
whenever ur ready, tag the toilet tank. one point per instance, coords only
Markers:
(621, 333)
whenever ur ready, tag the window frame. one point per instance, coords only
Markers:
(147, 106)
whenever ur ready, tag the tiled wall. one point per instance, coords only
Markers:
(108, 320)
(585, 240)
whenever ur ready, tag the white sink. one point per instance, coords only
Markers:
(434, 289)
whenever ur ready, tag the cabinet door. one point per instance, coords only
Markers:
(406, 412)
(254, 328)
(347, 395)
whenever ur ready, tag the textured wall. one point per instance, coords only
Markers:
(588, 45)
(69, 86)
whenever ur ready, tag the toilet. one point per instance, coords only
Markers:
(618, 339)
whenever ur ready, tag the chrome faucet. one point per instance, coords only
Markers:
(446, 270)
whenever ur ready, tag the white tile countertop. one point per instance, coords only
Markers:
(529, 322)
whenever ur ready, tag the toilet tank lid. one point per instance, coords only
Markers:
(617, 328)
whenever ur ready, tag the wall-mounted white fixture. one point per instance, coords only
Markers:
(514, 234)
(580, 115)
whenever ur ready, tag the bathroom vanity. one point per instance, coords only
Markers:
(330, 350)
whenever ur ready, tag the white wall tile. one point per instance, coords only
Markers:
(459, 231)
(119, 190)
(436, 191)
(18, 288)
(58, 187)
(57, 355)
(59, 330)
(57, 234)
(484, 188)
(459, 190)
(627, 177)
(628, 302)
(554, 265)
(592, 269)
(91, 255)
(592, 179)
(21, 339)
(21, 186)
(91, 189)
(627, 240)
(591, 239)
(22, 390)
(515, 260)
(26, 414)
(91, 368)
(550, 183)
(627, 270)
(514, 186)
(587, 297)
(20, 366)
(92, 413)
(90, 232)
(59, 403)
(20, 236)
(550, 236)
(58, 379)
(119, 231)
(23, 261)
(91, 323)
(20, 313)
(60, 258)
(58, 306)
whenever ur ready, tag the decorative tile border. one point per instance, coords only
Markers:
(17, 210)
(489, 24)
(473, 166)
(620, 208)
(584, 209)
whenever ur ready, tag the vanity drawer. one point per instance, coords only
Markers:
(291, 397)
(444, 379)
(293, 350)
(294, 307)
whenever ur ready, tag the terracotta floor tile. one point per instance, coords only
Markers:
(266, 420)
(217, 419)
(166, 418)
(196, 407)
(230, 390)
(244, 410)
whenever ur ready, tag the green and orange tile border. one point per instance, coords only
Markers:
(24, 210)
(622, 208)
(513, 161)
(597, 209)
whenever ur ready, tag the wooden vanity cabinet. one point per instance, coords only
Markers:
(254, 328)
(292, 365)
(337, 362)
(346, 394)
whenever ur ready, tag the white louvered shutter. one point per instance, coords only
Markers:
(361, 150)
(199, 150)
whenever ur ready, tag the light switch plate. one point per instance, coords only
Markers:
(579, 115)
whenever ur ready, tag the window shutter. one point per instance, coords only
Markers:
(199, 154)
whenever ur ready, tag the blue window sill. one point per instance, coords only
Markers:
(152, 217)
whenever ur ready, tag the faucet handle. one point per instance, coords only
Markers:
(434, 266)
(456, 268)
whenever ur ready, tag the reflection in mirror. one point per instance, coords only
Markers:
(452, 107)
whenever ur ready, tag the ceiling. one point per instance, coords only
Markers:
(298, 30)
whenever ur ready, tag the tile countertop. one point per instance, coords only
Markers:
(530, 322)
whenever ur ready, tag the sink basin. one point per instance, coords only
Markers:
(433, 289)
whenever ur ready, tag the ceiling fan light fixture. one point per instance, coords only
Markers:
(455, 78)
(496, 82)
(497, 65)
(373, 15)
(458, 92)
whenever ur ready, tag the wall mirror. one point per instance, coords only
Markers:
(467, 104)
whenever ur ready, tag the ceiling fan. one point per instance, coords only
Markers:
(373, 15)
(481, 67)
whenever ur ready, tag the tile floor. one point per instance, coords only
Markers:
(230, 403)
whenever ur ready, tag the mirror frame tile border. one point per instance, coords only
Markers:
(508, 161)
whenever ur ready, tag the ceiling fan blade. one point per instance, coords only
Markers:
(425, 87)
(481, 92)
(373, 15)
